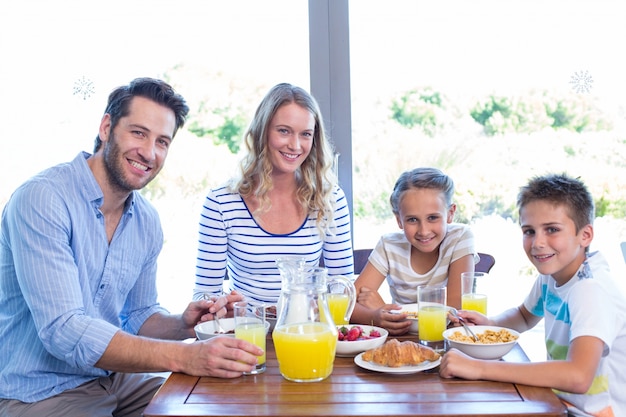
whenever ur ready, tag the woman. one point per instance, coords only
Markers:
(286, 202)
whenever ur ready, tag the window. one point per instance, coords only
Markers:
(551, 66)
(61, 59)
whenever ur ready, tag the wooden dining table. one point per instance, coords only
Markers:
(351, 391)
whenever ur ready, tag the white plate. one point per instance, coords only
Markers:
(424, 366)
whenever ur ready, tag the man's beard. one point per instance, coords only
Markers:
(114, 166)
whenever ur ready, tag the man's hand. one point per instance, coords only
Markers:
(221, 356)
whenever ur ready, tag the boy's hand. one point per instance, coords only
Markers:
(455, 363)
(471, 317)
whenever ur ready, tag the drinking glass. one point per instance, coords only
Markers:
(432, 316)
(473, 294)
(250, 326)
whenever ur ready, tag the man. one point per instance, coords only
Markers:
(79, 320)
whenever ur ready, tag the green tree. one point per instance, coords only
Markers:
(419, 107)
(228, 131)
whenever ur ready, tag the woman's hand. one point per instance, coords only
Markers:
(213, 305)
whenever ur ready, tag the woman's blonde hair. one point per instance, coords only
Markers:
(315, 177)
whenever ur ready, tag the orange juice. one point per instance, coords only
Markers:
(338, 306)
(305, 351)
(475, 302)
(253, 333)
(431, 323)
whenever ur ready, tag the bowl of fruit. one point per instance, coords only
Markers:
(353, 339)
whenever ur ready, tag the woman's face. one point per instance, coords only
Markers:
(290, 138)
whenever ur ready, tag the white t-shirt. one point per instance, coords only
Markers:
(590, 304)
(392, 258)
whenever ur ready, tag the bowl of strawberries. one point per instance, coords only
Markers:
(353, 339)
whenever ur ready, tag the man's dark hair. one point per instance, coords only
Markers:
(150, 88)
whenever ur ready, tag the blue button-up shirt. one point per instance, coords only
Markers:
(64, 289)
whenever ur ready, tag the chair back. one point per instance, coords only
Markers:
(360, 259)
(623, 245)
(485, 263)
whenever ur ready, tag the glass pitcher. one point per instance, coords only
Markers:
(305, 336)
(341, 297)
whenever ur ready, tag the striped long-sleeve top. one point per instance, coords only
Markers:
(231, 242)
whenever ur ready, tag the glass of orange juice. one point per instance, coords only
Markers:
(338, 305)
(473, 295)
(250, 326)
(432, 313)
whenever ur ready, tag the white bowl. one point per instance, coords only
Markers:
(352, 348)
(207, 330)
(411, 310)
(481, 350)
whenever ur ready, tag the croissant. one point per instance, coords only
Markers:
(394, 354)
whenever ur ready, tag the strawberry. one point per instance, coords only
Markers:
(354, 333)
(374, 333)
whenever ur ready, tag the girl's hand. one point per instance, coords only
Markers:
(396, 324)
(369, 298)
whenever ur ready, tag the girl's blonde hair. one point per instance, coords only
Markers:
(315, 177)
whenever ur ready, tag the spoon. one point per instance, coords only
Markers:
(461, 320)
(218, 327)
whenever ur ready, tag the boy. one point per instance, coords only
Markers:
(584, 311)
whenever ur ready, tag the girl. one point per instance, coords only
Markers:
(431, 250)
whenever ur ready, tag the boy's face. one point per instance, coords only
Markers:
(550, 240)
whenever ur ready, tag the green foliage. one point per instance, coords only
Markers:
(576, 114)
(482, 112)
(615, 208)
(419, 107)
(228, 131)
(154, 190)
(535, 112)
(376, 207)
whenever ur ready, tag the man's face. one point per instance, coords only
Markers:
(135, 150)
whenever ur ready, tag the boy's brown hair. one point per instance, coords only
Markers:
(560, 189)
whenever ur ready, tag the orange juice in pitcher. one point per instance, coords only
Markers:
(305, 336)
(306, 351)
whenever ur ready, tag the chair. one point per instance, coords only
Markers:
(359, 256)
(360, 259)
(487, 262)
(623, 245)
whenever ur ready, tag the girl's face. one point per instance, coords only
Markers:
(424, 216)
(290, 138)
(550, 240)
